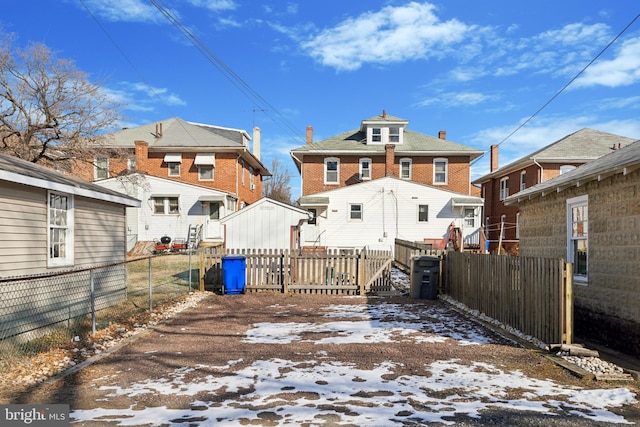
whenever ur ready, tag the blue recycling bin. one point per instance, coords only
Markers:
(234, 276)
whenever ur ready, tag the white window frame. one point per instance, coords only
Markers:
(409, 169)
(504, 188)
(426, 213)
(101, 168)
(242, 171)
(60, 219)
(166, 205)
(173, 168)
(252, 182)
(131, 165)
(204, 169)
(470, 220)
(574, 235)
(394, 134)
(376, 134)
(523, 180)
(363, 169)
(337, 171)
(358, 212)
(436, 172)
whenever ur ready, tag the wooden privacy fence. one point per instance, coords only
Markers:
(404, 250)
(352, 272)
(533, 295)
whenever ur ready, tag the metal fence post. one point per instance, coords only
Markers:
(150, 287)
(93, 303)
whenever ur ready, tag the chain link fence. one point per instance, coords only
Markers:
(44, 312)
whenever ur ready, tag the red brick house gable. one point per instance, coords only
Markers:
(383, 146)
(212, 156)
(502, 221)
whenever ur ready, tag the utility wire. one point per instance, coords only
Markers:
(573, 79)
(566, 85)
(227, 71)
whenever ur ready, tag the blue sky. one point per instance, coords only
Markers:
(475, 69)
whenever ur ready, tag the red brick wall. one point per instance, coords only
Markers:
(422, 172)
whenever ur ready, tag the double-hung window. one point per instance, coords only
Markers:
(578, 237)
(173, 161)
(423, 213)
(61, 225)
(405, 168)
(331, 171)
(101, 169)
(376, 135)
(205, 163)
(394, 134)
(504, 188)
(355, 212)
(365, 169)
(166, 205)
(523, 180)
(440, 171)
(470, 217)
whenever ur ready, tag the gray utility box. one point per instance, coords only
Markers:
(425, 273)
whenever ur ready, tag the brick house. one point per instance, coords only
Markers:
(501, 221)
(211, 156)
(383, 146)
(590, 216)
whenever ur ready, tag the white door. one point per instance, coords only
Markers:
(212, 226)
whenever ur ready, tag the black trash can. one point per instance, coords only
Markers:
(425, 273)
(234, 276)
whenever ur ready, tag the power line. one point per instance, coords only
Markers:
(572, 80)
(227, 71)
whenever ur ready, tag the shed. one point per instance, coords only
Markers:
(265, 224)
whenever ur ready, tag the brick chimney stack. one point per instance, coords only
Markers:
(309, 135)
(494, 157)
(142, 154)
(390, 155)
(442, 134)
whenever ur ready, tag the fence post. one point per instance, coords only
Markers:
(568, 302)
(202, 271)
(150, 287)
(93, 303)
(189, 271)
(361, 271)
(285, 270)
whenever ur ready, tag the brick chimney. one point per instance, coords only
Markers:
(256, 142)
(309, 135)
(142, 154)
(494, 157)
(390, 156)
(442, 134)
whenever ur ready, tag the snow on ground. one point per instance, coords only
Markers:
(325, 391)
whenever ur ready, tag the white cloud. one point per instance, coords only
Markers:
(457, 99)
(622, 70)
(214, 5)
(393, 34)
(123, 10)
(143, 97)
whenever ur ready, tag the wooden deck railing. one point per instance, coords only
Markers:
(356, 272)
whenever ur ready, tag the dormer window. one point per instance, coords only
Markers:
(376, 135)
(394, 134)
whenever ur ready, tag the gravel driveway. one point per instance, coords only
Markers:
(273, 359)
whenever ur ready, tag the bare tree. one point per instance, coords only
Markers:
(278, 186)
(50, 113)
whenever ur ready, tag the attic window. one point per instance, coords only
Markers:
(394, 134)
(376, 135)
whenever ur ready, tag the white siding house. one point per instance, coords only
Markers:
(169, 207)
(265, 224)
(374, 213)
(51, 222)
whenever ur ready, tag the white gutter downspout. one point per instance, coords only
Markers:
(541, 170)
(300, 163)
